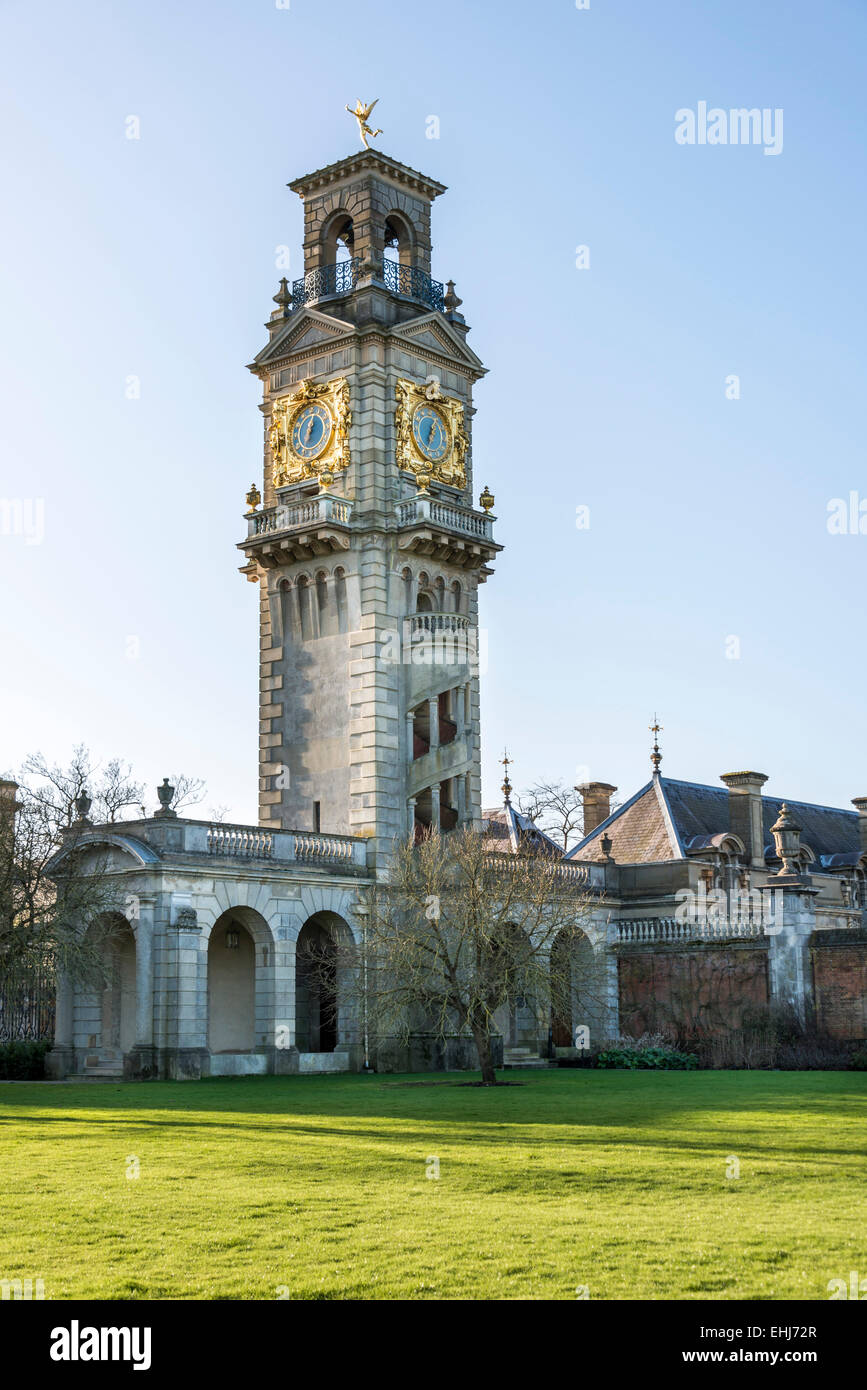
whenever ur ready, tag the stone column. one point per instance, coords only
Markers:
(433, 705)
(790, 920)
(140, 1063)
(189, 1058)
(410, 815)
(60, 1061)
(410, 736)
(435, 806)
(460, 798)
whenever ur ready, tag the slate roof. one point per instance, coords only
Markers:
(666, 818)
(507, 831)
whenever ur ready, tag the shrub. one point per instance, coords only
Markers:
(23, 1060)
(858, 1061)
(632, 1058)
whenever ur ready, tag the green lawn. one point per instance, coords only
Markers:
(317, 1186)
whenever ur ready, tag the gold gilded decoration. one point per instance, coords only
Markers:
(486, 501)
(309, 432)
(254, 497)
(362, 115)
(447, 462)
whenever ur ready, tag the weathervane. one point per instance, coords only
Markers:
(507, 762)
(656, 729)
(362, 115)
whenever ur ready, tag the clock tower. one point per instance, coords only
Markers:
(365, 541)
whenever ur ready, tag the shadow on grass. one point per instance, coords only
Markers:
(591, 1101)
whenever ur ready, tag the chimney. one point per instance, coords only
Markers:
(596, 797)
(745, 812)
(860, 802)
(8, 804)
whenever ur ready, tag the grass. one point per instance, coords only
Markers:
(315, 1186)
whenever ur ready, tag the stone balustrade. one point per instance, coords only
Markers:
(421, 510)
(290, 516)
(662, 929)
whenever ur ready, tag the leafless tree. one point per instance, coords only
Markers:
(189, 791)
(458, 932)
(556, 809)
(41, 912)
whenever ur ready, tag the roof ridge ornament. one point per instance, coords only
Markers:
(656, 757)
(507, 786)
(362, 115)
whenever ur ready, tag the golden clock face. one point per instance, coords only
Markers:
(430, 433)
(312, 429)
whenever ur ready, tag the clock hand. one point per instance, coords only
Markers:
(310, 424)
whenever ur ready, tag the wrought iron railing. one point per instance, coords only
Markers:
(414, 283)
(27, 1009)
(342, 278)
(328, 279)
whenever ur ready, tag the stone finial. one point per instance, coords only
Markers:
(283, 298)
(605, 844)
(787, 839)
(450, 299)
(83, 803)
(165, 794)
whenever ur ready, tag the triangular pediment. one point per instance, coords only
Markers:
(306, 329)
(437, 335)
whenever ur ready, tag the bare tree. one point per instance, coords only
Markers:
(43, 907)
(189, 791)
(42, 912)
(556, 809)
(459, 932)
(56, 789)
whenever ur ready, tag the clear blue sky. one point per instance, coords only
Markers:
(156, 258)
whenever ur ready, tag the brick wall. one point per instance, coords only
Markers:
(840, 985)
(702, 991)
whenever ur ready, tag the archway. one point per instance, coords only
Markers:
(118, 1000)
(323, 1014)
(575, 990)
(231, 986)
(104, 1011)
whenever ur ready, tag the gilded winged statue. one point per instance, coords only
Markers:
(362, 115)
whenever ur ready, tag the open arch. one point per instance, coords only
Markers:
(399, 240)
(323, 1014)
(576, 995)
(338, 239)
(240, 978)
(231, 987)
(104, 1016)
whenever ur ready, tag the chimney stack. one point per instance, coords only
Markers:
(745, 812)
(596, 797)
(860, 803)
(8, 788)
